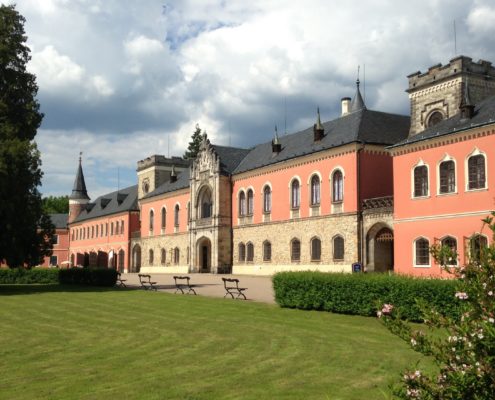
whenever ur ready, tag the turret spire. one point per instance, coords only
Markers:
(79, 191)
(357, 102)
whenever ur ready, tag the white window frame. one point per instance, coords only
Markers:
(447, 157)
(420, 163)
(476, 152)
(415, 264)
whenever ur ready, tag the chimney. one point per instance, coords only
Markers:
(346, 105)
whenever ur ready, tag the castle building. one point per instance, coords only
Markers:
(368, 187)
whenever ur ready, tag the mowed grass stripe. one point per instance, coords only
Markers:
(106, 344)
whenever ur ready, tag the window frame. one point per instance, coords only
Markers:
(295, 194)
(267, 251)
(151, 256)
(337, 190)
(455, 248)
(293, 252)
(249, 202)
(315, 257)
(242, 203)
(416, 167)
(335, 248)
(416, 250)
(315, 190)
(163, 219)
(249, 252)
(473, 154)
(241, 249)
(448, 178)
(177, 215)
(267, 199)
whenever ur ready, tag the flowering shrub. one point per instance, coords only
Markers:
(466, 356)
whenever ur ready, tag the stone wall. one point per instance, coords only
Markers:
(280, 235)
(168, 242)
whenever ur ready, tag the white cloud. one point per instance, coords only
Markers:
(101, 85)
(55, 71)
(142, 46)
(482, 20)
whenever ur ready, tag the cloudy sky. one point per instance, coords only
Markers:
(121, 80)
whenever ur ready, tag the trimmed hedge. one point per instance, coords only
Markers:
(28, 276)
(359, 294)
(88, 276)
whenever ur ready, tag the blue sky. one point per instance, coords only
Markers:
(122, 80)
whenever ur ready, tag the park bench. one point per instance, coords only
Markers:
(146, 283)
(120, 281)
(232, 288)
(182, 283)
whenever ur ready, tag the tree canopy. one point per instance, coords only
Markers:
(193, 147)
(56, 204)
(26, 229)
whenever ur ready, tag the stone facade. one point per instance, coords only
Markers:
(441, 88)
(211, 217)
(169, 243)
(280, 235)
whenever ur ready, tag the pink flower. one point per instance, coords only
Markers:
(387, 309)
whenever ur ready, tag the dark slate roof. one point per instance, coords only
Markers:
(484, 113)
(59, 220)
(182, 182)
(367, 126)
(79, 191)
(230, 157)
(357, 102)
(111, 203)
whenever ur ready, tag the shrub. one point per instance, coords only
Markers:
(358, 294)
(88, 276)
(28, 276)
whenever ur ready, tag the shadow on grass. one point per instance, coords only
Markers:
(10, 290)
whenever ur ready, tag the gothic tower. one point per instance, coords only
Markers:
(437, 94)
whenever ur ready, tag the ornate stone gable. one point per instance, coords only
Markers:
(207, 161)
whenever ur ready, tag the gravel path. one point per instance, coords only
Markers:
(259, 288)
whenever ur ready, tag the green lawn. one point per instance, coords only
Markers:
(65, 343)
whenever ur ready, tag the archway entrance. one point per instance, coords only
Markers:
(204, 254)
(380, 248)
(136, 259)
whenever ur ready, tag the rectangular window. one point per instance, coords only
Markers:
(55, 239)
(53, 260)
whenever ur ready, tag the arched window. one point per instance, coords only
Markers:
(315, 249)
(295, 250)
(315, 190)
(250, 202)
(92, 232)
(295, 194)
(422, 251)
(338, 248)
(121, 260)
(111, 229)
(150, 258)
(337, 186)
(163, 218)
(176, 215)
(152, 220)
(447, 177)
(451, 243)
(477, 247)
(121, 227)
(249, 252)
(476, 172)
(421, 181)
(205, 203)
(435, 118)
(267, 199)
(163, 258)
(242, 252)
(176, 256)
(267, 251)
(242, 204)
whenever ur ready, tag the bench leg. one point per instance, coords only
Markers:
(228, 292)
(178, 289)
(191, 290)
(241, 294)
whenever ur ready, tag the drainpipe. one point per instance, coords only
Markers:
(360, 230)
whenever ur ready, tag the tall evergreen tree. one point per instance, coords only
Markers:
(25, 228)
(56, 204)
(193, 148)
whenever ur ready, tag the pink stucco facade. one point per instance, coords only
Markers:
(435, 216)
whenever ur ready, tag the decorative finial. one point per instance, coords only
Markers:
(275, 140)
(80, 157)
(357, 80)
